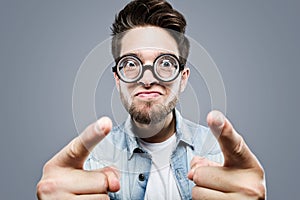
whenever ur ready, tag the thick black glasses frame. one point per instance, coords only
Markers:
(147, 67)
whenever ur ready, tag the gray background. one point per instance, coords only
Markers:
(255, 44)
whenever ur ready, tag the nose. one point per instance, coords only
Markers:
(148, 78)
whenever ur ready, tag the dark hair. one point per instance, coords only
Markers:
(158, 13)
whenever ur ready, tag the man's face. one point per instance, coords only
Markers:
(149, 100)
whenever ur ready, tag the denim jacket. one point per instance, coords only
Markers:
(122, 150)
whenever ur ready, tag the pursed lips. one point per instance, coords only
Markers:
(148, 94)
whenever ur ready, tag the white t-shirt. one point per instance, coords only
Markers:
(161, 183)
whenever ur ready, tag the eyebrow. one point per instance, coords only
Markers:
(140, 56)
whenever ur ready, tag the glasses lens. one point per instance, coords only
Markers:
(167, 67)
(129, 68)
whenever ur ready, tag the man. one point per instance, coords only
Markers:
(155, 153)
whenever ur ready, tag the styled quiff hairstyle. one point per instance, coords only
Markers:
(158, 13)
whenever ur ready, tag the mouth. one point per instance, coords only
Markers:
(148, 94)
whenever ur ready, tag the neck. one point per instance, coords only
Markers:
(156, 133)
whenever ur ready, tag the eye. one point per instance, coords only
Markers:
(129, 65)
(166, 63)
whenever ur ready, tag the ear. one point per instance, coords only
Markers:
(117, 81)
(184, 78)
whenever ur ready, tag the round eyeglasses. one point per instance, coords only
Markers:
(165, 68)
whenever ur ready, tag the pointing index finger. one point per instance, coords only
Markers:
(75, 153)
(236, 152)
(90, 138)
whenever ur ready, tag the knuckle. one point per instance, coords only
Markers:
(72, 150)
(103, 180)
(238, 149)
(46, 187)
(261, 192)
(200, 161)
(260, 171)
(48, 167)
(75, 153)
(110, 171)
(196, 177)
(257, 191)
(194, 160)
(203, 162)
(111, 176)
(240, 144)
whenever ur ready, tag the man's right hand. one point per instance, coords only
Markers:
(64, 176)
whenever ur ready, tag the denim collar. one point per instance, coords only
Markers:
(183, 133)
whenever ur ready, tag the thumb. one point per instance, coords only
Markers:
(236, 152)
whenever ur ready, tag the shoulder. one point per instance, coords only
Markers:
(200, 137)
(194, 126)
(189, 130)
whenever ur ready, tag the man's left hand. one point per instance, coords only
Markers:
(240, 177)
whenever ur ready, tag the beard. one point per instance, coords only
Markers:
(148, 112)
